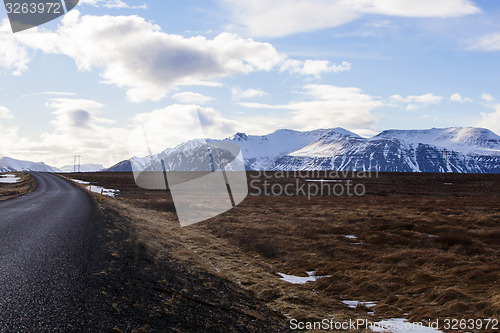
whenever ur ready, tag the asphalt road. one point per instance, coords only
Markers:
(50, 244)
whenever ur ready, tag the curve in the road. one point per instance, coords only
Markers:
(50, 245)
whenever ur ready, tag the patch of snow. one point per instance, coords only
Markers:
(432, 236)
(97, 189)
(351, 236)
(9, 179)
(354, 304)
(400, 325)
(448, 183)
(301, 279)
(80, 181)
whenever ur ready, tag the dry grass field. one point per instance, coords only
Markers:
(422, 246)
(25, 185)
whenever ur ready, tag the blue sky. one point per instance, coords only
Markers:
(81, 83)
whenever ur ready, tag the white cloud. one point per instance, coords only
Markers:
(239, 94)
(192, 98)
(487, 97)
(75, 114)
(313, 67)
(13, 56)
(285, 17)
(491, 120)
(111, 4)
(146, 61)
(5, 113)
(328, 106)
(489, 42)
(415, 102)
(460, 99)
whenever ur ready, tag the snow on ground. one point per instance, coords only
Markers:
(301, 279)
(400, 325)
(9, 179)
(354, 304)
(97, 189)
(351, 236)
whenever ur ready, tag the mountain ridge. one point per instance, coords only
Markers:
(468, 150)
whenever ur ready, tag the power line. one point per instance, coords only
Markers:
(76, 162)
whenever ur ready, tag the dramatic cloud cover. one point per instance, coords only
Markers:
(147, 61)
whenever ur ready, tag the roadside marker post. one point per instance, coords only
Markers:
(100, 198)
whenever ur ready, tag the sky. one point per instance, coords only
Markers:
(80, 84)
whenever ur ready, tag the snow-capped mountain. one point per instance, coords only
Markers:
(471, 150)
(260, 152)
(465, 140)
(8, 164)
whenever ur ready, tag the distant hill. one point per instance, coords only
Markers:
(83, 168)
(123, 166)
(8, 164)
(456, 149)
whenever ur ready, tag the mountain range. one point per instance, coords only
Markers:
(455, 149)
(8, 164)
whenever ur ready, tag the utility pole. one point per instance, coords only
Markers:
(77, 160)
